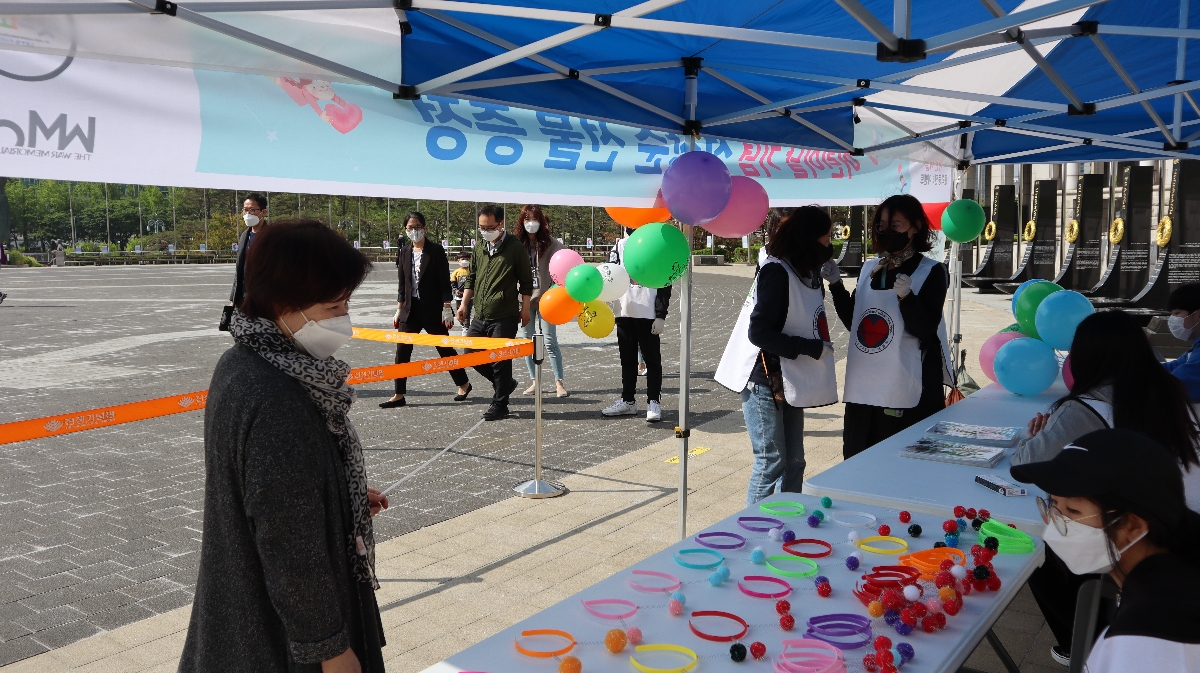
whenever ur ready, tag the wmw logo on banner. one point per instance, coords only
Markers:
(26, 138)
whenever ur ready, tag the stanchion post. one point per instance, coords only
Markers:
(538, 488)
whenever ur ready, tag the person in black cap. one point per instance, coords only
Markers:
(1184, 305)
(1115, 505)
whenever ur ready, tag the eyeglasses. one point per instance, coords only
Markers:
(252, 210)
(1052, 514)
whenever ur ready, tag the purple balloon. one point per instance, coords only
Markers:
(697, 187)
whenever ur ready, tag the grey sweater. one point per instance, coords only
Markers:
(275, 591)
(1070, 421)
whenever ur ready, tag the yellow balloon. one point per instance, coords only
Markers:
(596, 319)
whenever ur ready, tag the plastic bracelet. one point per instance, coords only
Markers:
(929, 561)
(792, 573)
(806, 655)
(837, 518)
(787, 588)
(675, 583)
(862, 544)
(741, 541)
(664, 648)
(743, 520)
(1012, 541)
(782, 508)
(699, 566)
(787, 547)
(892, 576)
(725, 615)
(590, 607)
(827, 627)
(545, 632)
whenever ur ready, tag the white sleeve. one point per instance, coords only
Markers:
(1125, 654)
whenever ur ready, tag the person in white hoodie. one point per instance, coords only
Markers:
(641, 314)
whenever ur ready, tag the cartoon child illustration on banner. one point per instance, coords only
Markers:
(337, 112)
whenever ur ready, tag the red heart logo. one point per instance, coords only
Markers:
(873, 330)
(343, 117)
(823, 327)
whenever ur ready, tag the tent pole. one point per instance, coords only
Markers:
(682, 431)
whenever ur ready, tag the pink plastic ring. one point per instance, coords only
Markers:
(590, 607)
(799, 656)
(675, 583)
(787, 588)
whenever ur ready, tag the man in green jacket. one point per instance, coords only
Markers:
(499, 284)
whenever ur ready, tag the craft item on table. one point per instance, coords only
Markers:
(881, 585)
(783, 607)
(884, 529)
(929, 561)
(709, 565)
(819, 514)
(615, 640)
(956, 453)
(787, 535)
(758, 650)
(886, 657)
(914, 530)
(737, 652)
(853, 536)
(826, 502)
(758, 556)
(814, 520)
(981, 435)
(546, 654)
(843, 631)
(703, 540)
(867, 520)
(662, 647)
(718, 576)
(806, 655)
(962, 524)
(862, 544)
(976, 524)
(951, 540)
(790, 547)
(786, 621)
(592, 605)
(673, 585)
(984, 514)
(992, 543)
(724, 615)
(1011, 540)
(854, 560)
(746, 521)
(782, 508)
(792, 573)
(905, 516)
(774, 533)
(787, 588)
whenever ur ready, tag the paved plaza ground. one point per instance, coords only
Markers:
(100, 530)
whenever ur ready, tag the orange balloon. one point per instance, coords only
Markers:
(636, 217)
(557, 307)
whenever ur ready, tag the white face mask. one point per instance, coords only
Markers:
(532, 226)
(1180, 332)
(464, 263)
(1084, 549)
(320, 339)
(416, 235)
(490, 236)
(251, 220)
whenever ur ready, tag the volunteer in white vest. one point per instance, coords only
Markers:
(641, 314)
(779, 356)
(896, 363)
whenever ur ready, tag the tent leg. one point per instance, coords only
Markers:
(682, 431)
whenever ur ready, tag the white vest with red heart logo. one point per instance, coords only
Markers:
(883, 361)
(806, 382)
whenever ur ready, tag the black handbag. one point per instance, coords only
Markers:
(226, 317)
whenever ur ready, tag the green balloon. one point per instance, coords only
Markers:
(656, 255)
(583, 283)
(1027, 305)
(963, 220)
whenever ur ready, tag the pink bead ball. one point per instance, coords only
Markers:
(675, 607)
(634, 634)
(934, 606)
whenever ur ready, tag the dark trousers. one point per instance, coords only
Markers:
(499, 373)
(634, 334)
(423, 318)
(865, 425)
(1056, 589)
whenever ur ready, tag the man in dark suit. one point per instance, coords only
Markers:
(254, 214)
(423, 301)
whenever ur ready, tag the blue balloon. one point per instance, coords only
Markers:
(1058, 315)
(1025, 366)
(1020, 289)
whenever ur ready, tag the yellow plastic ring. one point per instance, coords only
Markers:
(862, 544)
(664, 648)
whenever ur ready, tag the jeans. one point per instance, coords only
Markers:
(777, 438)
(552, 349)
(634, 334)
(421, 318)
(499, 373)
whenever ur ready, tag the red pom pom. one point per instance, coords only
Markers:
(941, 620)
(987, 556)
(980, 585)
(950, 526)
(929, 624)
(952, 606)
(984, 514)
(1012, 525)
(993, 583)
(946, 564)
(905, 517)
(908, 616)
(885, 529)
(869, 663)
(942, 579)
(884, 657)
(919, 609)
(783, 607)
(964, 588)
(975, 549)
(787, 622)
(960, 512)
(758, 650)
(824, 590)
(889, 668)
(971, 513)
(891, 599)
(882, 643)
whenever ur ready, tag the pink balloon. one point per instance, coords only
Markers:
(563, 261)
(1068, 375)
(745, 212)
(987, 354)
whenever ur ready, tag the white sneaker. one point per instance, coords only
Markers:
(653, 412)
(621, 408)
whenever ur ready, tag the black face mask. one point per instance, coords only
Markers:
(825, 254)
(894, 241)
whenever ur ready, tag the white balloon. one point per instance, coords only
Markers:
(616, 282)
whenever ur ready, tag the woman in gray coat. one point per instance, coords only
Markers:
(287, 562)
(533, 229)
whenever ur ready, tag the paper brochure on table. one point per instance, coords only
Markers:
(953, 452)
(983, 435)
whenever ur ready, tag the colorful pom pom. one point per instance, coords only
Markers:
(970, 513)
(950, 526)
(951, 541)
(675, 607)
(939, 544)
(943, 579)
(824, 590)
(908, 616)
(976, 524)
(914, 530)
(947, 593)
(993, 583)
(984, 514)
(678, 595)
(903, 629)
(773, 533)
(884, 656)
(634, 634)
(814, 520)
(758, 650)
(959, 510)
(875, 609)
(919, 609)
(905, 516)
(737, 652)
(570, 665)
(820, 579)
(891, 599)
(891, 668)
(958, 572)
(852, 562)
(952, 607)
(715, 579)
(615, 640)
(933, 605)
(788, 535)
(884, 529)
(906, 651)
(758, 556)
(787, 622)
(929, 624)
(783, 607)
(991, 543)
(826, 502)
(962, 524)
(891, 617)
(911, 593)
(819, 514)
(882, 643)
(724, 571)
(981, 572)
(853, 537)
(869, 663)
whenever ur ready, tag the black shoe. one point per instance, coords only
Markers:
(392, 404)
(463, 396)
(495, 412)
(508, 388)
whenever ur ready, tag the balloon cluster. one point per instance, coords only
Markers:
(1021, 358)
(581, 293)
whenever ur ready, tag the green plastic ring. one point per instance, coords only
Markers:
(1012, 541)
(781, 508)
(793, 573)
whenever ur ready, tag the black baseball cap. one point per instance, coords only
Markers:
(1115, 462)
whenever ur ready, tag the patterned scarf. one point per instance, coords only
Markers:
(891, 260)
(325, 383)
